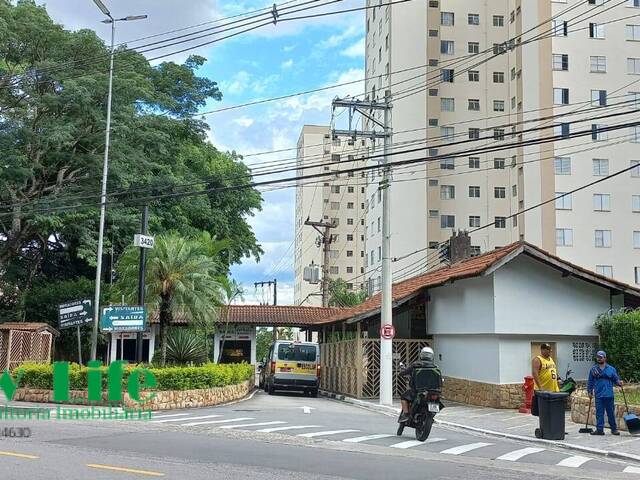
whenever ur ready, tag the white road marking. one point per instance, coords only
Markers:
(172, 415)
(415, 443)
(573, 462)
(292, 427)
(465, 448)
(631, 470)
(367, 437)
(511, 419)
(261, 424)
(307, 409)
(182, 419)
(211, 422)
(518, 454)
(322, 434)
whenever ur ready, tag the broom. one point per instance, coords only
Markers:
(586, 428)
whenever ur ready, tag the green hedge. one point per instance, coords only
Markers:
(40, 376)
(620, 338)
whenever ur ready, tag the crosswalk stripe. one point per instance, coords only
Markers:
(367, 437)
(465, 448)
(573, 462)
(631, 470)
(172, 415)
(211, 422)
(415, 443)
(322, 434)
(260, 424)
(292, 427)
(183, 419)
(518, 454)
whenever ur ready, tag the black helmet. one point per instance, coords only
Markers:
(426, 354)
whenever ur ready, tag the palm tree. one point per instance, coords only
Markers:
(180, 277)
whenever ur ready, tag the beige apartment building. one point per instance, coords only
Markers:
(337, 199)
(520, 94)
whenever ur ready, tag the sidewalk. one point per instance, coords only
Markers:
(518, 426)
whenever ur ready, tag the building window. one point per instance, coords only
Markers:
(334, 270)
(498, 105)
(350, 205)
(447, 192)
(474, 133)
(474, 19)
(447, 47)
(562, 130)
(603, 238)
(349, 253)
(474, 221)
(349, 221)
(500, 222)
(500, 192)
(562, 165)
(379, 224)
(600, 167)
(601, 202)
(433, 182)
(633, 66)
(559, 28)
(447, 75)
(474, 191)
(447, 19)
(350, 189)
(596, 30)
(636, 272)
(598, 98)
(636, 239)
(560, 62)
(447, 221)
(474, 104)
(447, 104)
(474, 162)
(498, 77)
(447, 133)
(474, 47)
(598, 64)
(561, 96)
(635, 134)
(349, 237)
(434, 214)
(635, 203)
(633, 32)
(434, 245)
(498, 163)
(563, 202)
(349, 269)
(634, 3)
(498, 21)
(635, 172)
(599, 132)
(475, 250)
(335, 188)
(433, 92)
(514, 190)
(605, 270)
(498, 134)
(474, 76)
(447, 164)
(564, 237)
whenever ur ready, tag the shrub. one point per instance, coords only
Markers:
(620, 338)
(185, 347)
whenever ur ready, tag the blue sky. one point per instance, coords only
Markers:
(272, 61)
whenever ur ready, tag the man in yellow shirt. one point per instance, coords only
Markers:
(545, 374)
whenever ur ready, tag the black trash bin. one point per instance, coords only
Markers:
(551, 411)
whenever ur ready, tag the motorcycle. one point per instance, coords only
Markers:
(422, 413)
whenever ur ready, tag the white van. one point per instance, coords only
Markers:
(292, 366)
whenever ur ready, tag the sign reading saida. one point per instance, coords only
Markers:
(77, 312)
(123, 318)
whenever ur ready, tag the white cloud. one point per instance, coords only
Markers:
(243, 121)
(355, 50)
(337, 39)
(288, 48)
(237, 84)
(287, 64)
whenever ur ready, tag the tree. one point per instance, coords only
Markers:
(53, 90)
(180, 278)
(340, 295)
(264, 339)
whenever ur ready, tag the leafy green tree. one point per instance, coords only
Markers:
(619, 333)
(341, 296)
(264, 339)
(53, 91)
(180, 277)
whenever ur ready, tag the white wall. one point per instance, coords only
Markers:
(464, 307)
(534, 299)
(472, 357)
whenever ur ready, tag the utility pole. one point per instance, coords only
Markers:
(324, 229)
(273, 282)
(105, 171)
(364, 108)
(144, 224)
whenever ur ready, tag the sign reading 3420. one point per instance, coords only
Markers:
(143, 241)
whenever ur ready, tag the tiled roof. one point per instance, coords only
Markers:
(30, 326)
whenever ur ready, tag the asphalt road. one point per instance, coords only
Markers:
(283, 437)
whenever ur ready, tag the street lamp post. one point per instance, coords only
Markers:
(105, 171)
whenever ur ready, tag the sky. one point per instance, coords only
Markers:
(267, 62)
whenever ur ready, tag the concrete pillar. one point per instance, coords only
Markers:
(113, 345)
(253, 346)
(152, 341)
(216, 347)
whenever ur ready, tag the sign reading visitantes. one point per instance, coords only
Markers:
(123, 318)
(77, 312)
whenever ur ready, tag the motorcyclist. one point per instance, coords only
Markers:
(425, 360)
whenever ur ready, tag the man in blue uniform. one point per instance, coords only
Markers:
(602, 378)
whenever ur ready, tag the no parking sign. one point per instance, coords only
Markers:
(387, 331)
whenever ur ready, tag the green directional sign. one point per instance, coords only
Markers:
(123, 318)
(74, 313)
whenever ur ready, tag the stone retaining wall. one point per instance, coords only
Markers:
(483, 394)
(164, 400)
(580, 406)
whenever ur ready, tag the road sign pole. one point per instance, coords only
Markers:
(79, 345)
(141, 278)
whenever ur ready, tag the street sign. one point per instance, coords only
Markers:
(123, 318)
(387, 331)
(77, 312)
(143, 241)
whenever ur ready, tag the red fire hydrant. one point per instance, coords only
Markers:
(527, 387)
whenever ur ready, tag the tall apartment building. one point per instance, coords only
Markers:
(337, 199)
(488, 76)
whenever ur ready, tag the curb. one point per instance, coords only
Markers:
(384, 409)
